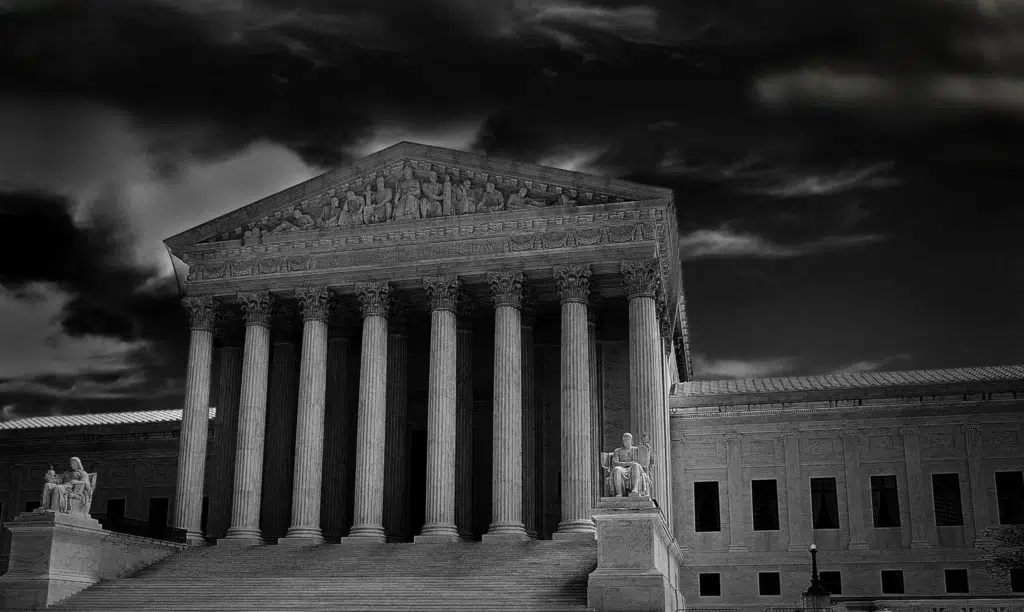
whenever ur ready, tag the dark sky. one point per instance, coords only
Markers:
(846, 171)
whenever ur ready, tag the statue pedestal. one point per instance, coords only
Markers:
(54, 556)
(637, 558)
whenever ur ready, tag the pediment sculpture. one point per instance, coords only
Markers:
(627, 469)
(70, 492)
(404, 193)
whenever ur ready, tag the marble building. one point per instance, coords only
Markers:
(433, 346)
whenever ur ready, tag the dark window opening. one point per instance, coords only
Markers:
(710, 585)
(956, 581)
(706, 508)
(946, 493)
(892, 582)
(157, 517)
(1017, 580)
(768, 583)
(765, 504)
(885, 502)
(832, 582)
(824, 503)
(1010, 491)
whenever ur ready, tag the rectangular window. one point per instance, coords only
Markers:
(705, 506)
(824, 503)
(765, 504)
(892, 582)
(710, 585)
(32, 505)
(956, 581)
(768, 583)
(1010, 491)
(885, 501)
(1017, 580)
(832, 582)
(946, 493)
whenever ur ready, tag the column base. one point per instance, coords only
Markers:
(577, 529)
(368, 534)
(302, 536)
(195, 538)
(438, 533)
(506, 532)
(242, 536)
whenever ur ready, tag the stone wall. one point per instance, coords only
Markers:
(792, 442)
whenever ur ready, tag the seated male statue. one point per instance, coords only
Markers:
(69, 493)
(631, 465)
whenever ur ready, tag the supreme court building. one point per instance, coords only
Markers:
(435, 346)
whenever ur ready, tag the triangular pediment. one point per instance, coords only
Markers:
(406, 182)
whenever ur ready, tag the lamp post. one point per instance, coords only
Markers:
(816, 596)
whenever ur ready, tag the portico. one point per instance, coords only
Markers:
(415, 423)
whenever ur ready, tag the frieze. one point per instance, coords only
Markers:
(761, 448)
(820, 446)
(271, 263)
(408, 190)
(937, 441)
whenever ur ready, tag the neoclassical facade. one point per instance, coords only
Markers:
(431, 278)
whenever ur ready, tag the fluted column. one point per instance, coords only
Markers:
(573, 285)
(252, 414)
(507, 491)
(309, 434)
(854, 488)
(368, 502)
(464, 421)
(529, 425)
(736, 488)
(798, 540)
(439, 525)
(226, 425)
(646, 392)
(981, 518)
(396, 448)
(915, 489)
(188, 496)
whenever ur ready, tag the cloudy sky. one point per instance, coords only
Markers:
(846, 171)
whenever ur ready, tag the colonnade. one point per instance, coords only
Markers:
(448, 499)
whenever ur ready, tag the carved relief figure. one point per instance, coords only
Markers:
(520, 200)
(447, 207)
(329, 215)
(378, 205)
(492, 200)
(432, 203)
(352, 212)
(302, 221)
(565, 200)
(253, 235)
(407, 204)
(70, 493)
(628, 469)
(464, 200)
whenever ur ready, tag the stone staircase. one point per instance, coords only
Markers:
(535, 575)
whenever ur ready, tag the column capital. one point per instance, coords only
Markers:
(314, 303)
(374, 298)
(506, 288)
(909, 431)
(640, 278)
(572, 283)
(732, 436)
(256, 308)
(790, 434)
(202, 312)
(850, 433)
(443, 292)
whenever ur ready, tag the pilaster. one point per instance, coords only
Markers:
(854, 489)
(738, 518)
(977, 472)
(798, 538)
(915, 489)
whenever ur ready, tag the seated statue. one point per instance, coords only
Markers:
(69, 493)
(628, 469)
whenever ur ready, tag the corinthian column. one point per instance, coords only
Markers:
(396, 458)
(188, 496)
(439, 526)
(573, 284)
(368, 502)
(646, 390)
(309, 435)
(464, 421)
(529, 425)
(252, 414)
(507, 491)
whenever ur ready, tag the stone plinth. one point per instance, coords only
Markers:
(54, 556)
(637, 562)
